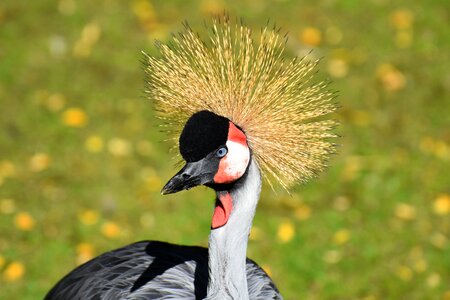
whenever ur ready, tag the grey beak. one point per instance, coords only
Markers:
(191, 175)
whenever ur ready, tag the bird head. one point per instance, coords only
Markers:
(215, 151)
(235, 98)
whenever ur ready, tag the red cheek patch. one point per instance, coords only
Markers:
(236, 135)
(221, 176)
(222, 211)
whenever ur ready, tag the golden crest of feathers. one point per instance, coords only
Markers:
(275, 101)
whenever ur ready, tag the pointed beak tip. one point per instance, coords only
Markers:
(188, 177)
(165, 191)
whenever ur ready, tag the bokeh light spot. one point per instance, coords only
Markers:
(14, 271)
(111, 230)
(286, 231)
(311, 36)
(24, 221)
(441, 206)
(119, 147)
(89, 217)
(405, 211)
(341, 236)
(7, 206)
(39, 162)
(74, 117)
(94, 144)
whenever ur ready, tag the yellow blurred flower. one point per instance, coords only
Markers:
(441, 205)
(402, 19)
(119, 147)
(7, 206)
(404, 273)
(446, 295)
(420, 265)
(286, 231)
(55, 102)
(438, 148)
(341, 236)
(332, 256)
(74, 117)
(111, 230)
(433, 280)
(439, 240)
(88, 217)
(302, 212)
(405, 211)
(89, 37)
(442, 150)
(337, 68)
(14, 271)
(24, 221)
(311, 36)
(94, 144)
(2, 261)
(390, 77)
(7, 169)
(39, 162)
(146, 14)
(85, 252)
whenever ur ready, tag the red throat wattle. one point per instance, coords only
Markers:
(222, 211)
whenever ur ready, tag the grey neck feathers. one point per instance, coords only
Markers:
(228, 244)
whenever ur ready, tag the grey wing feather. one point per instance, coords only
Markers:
(151, 270)
(260, 285)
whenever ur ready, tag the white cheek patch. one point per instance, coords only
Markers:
(236, 160)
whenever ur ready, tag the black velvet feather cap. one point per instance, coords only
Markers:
(203, 133)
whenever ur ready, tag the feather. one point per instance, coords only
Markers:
(152, 270)
(277, 103)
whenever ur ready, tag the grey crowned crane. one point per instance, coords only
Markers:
(241, 111)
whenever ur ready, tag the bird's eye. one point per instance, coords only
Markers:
(221, 152)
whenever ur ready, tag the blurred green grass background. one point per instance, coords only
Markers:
(82, 162)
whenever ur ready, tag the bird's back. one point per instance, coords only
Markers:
(151, 270)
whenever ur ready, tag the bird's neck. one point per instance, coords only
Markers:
(227, 250)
